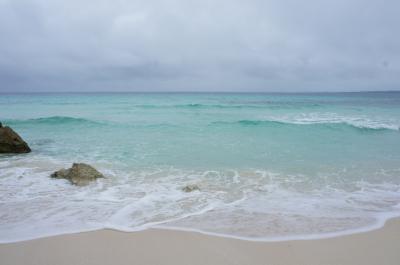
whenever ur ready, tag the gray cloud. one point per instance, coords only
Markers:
(254, 45)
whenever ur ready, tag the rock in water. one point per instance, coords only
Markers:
(79, 174)
(61, 174)
(190, 188)
(11, 142)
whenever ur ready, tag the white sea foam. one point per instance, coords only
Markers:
(254, 204)
(359, 121)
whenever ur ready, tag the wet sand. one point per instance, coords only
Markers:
(157, 246)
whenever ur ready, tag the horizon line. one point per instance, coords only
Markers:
(194, 92)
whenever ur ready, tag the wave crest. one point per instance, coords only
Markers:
(53, 120)
(325, 124)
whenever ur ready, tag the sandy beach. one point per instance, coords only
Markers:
(157, 246)
(199, 132)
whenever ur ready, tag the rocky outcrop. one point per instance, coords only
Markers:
(79, 174)
(190, 188)
(11, 142)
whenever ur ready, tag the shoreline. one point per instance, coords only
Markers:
(165, 246)
(379, 224)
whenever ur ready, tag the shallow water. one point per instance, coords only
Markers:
(269, 166)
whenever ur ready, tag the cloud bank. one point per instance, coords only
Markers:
(176, 45)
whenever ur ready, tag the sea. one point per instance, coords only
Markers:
(269, 166)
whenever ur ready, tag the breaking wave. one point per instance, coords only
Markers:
(336, 124)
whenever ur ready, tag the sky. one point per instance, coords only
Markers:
(207, 45)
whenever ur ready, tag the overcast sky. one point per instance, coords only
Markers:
(186, 45)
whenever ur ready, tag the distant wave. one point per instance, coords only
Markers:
(359, 124)
(191, 106)
(255, 105)
(331, 118)
(65, 120)
(333, 125)
(54, 120)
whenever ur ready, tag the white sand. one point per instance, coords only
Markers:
(379, 247)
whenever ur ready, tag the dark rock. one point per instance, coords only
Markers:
(190, 188)
(11, 142)
(79, 174)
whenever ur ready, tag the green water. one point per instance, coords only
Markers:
(314, 163)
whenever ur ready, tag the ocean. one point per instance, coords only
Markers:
(269, 166)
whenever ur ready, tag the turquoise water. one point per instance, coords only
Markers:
(269, 166)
